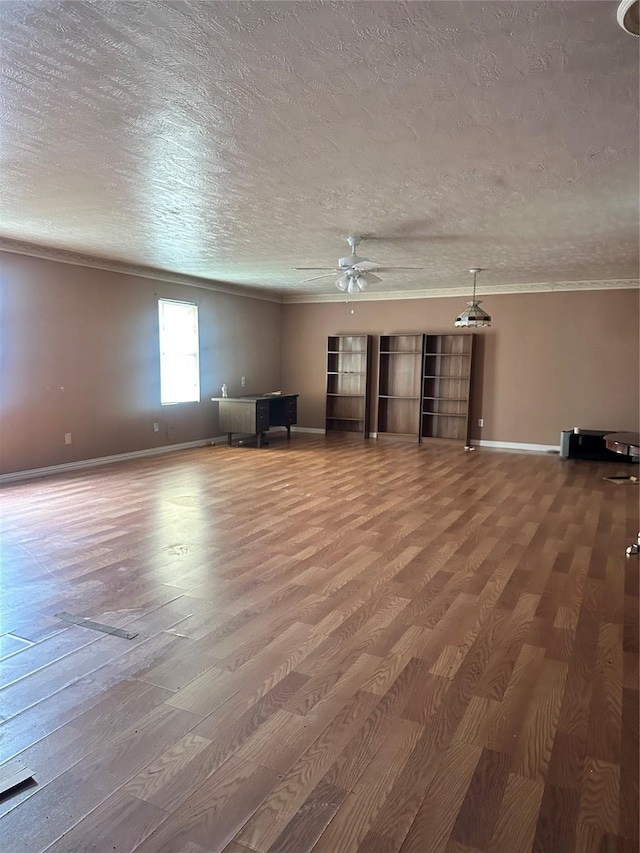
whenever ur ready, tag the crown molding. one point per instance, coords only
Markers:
(64, 256)
(463, 292)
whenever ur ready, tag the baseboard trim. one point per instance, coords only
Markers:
(50, 470)
(81, 464)
(498, 445)
(517, 445)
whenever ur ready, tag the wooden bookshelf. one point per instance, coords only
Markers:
(347, 400)
(400, 365)
(446, 387)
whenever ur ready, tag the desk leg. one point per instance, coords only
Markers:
(288, 432)
(229, 434)
(259, 437)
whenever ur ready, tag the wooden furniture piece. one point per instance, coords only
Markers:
(255, 414)
(399, 385)
(446, 387)
(624, 443)
(581, 443)
(348, 383)
(627, 444)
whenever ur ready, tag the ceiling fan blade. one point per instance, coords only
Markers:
(392, 269)
(316, 277)
(366, 266)
(371, 278)
(313, 268)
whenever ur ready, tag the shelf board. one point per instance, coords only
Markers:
(397, 397)
(345, 372)
(400, 352)
(450, 399)
(337, 418)
(345, 352)
(444, 439)
(334, 394)
(451, 354)
(443, 415)
(460, 378)
(401, 434)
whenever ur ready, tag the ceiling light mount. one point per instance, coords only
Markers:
(473, 316)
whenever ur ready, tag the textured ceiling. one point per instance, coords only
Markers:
(233, 141)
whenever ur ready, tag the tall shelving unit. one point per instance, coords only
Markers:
(399, 381)
(348, 382)
(446, 387)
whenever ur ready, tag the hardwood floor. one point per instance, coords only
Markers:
(342, 647)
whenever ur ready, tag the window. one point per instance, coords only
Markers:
(179, 352)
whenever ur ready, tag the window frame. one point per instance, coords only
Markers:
(166, 354)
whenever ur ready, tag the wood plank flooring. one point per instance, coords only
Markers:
(342, 647)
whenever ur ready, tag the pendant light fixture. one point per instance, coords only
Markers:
(473, 316)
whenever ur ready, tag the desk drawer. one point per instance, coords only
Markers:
(262, 416)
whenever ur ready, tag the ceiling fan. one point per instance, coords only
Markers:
(354, 274)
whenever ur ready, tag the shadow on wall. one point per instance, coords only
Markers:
(482, 397)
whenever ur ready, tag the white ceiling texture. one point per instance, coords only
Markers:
(232, 141)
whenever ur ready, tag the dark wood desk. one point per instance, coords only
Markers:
(254, 414)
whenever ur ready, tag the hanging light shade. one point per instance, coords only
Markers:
(473, 316)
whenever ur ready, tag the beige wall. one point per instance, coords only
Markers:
(550, 361)
(79, 354)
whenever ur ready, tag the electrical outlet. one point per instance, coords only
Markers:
(244, 381)
(480, 422)
(156, 426)
(67, 438)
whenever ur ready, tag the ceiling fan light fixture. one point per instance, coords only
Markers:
(629, 16)
(354, 274)
(343, 282)
(473, 316)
